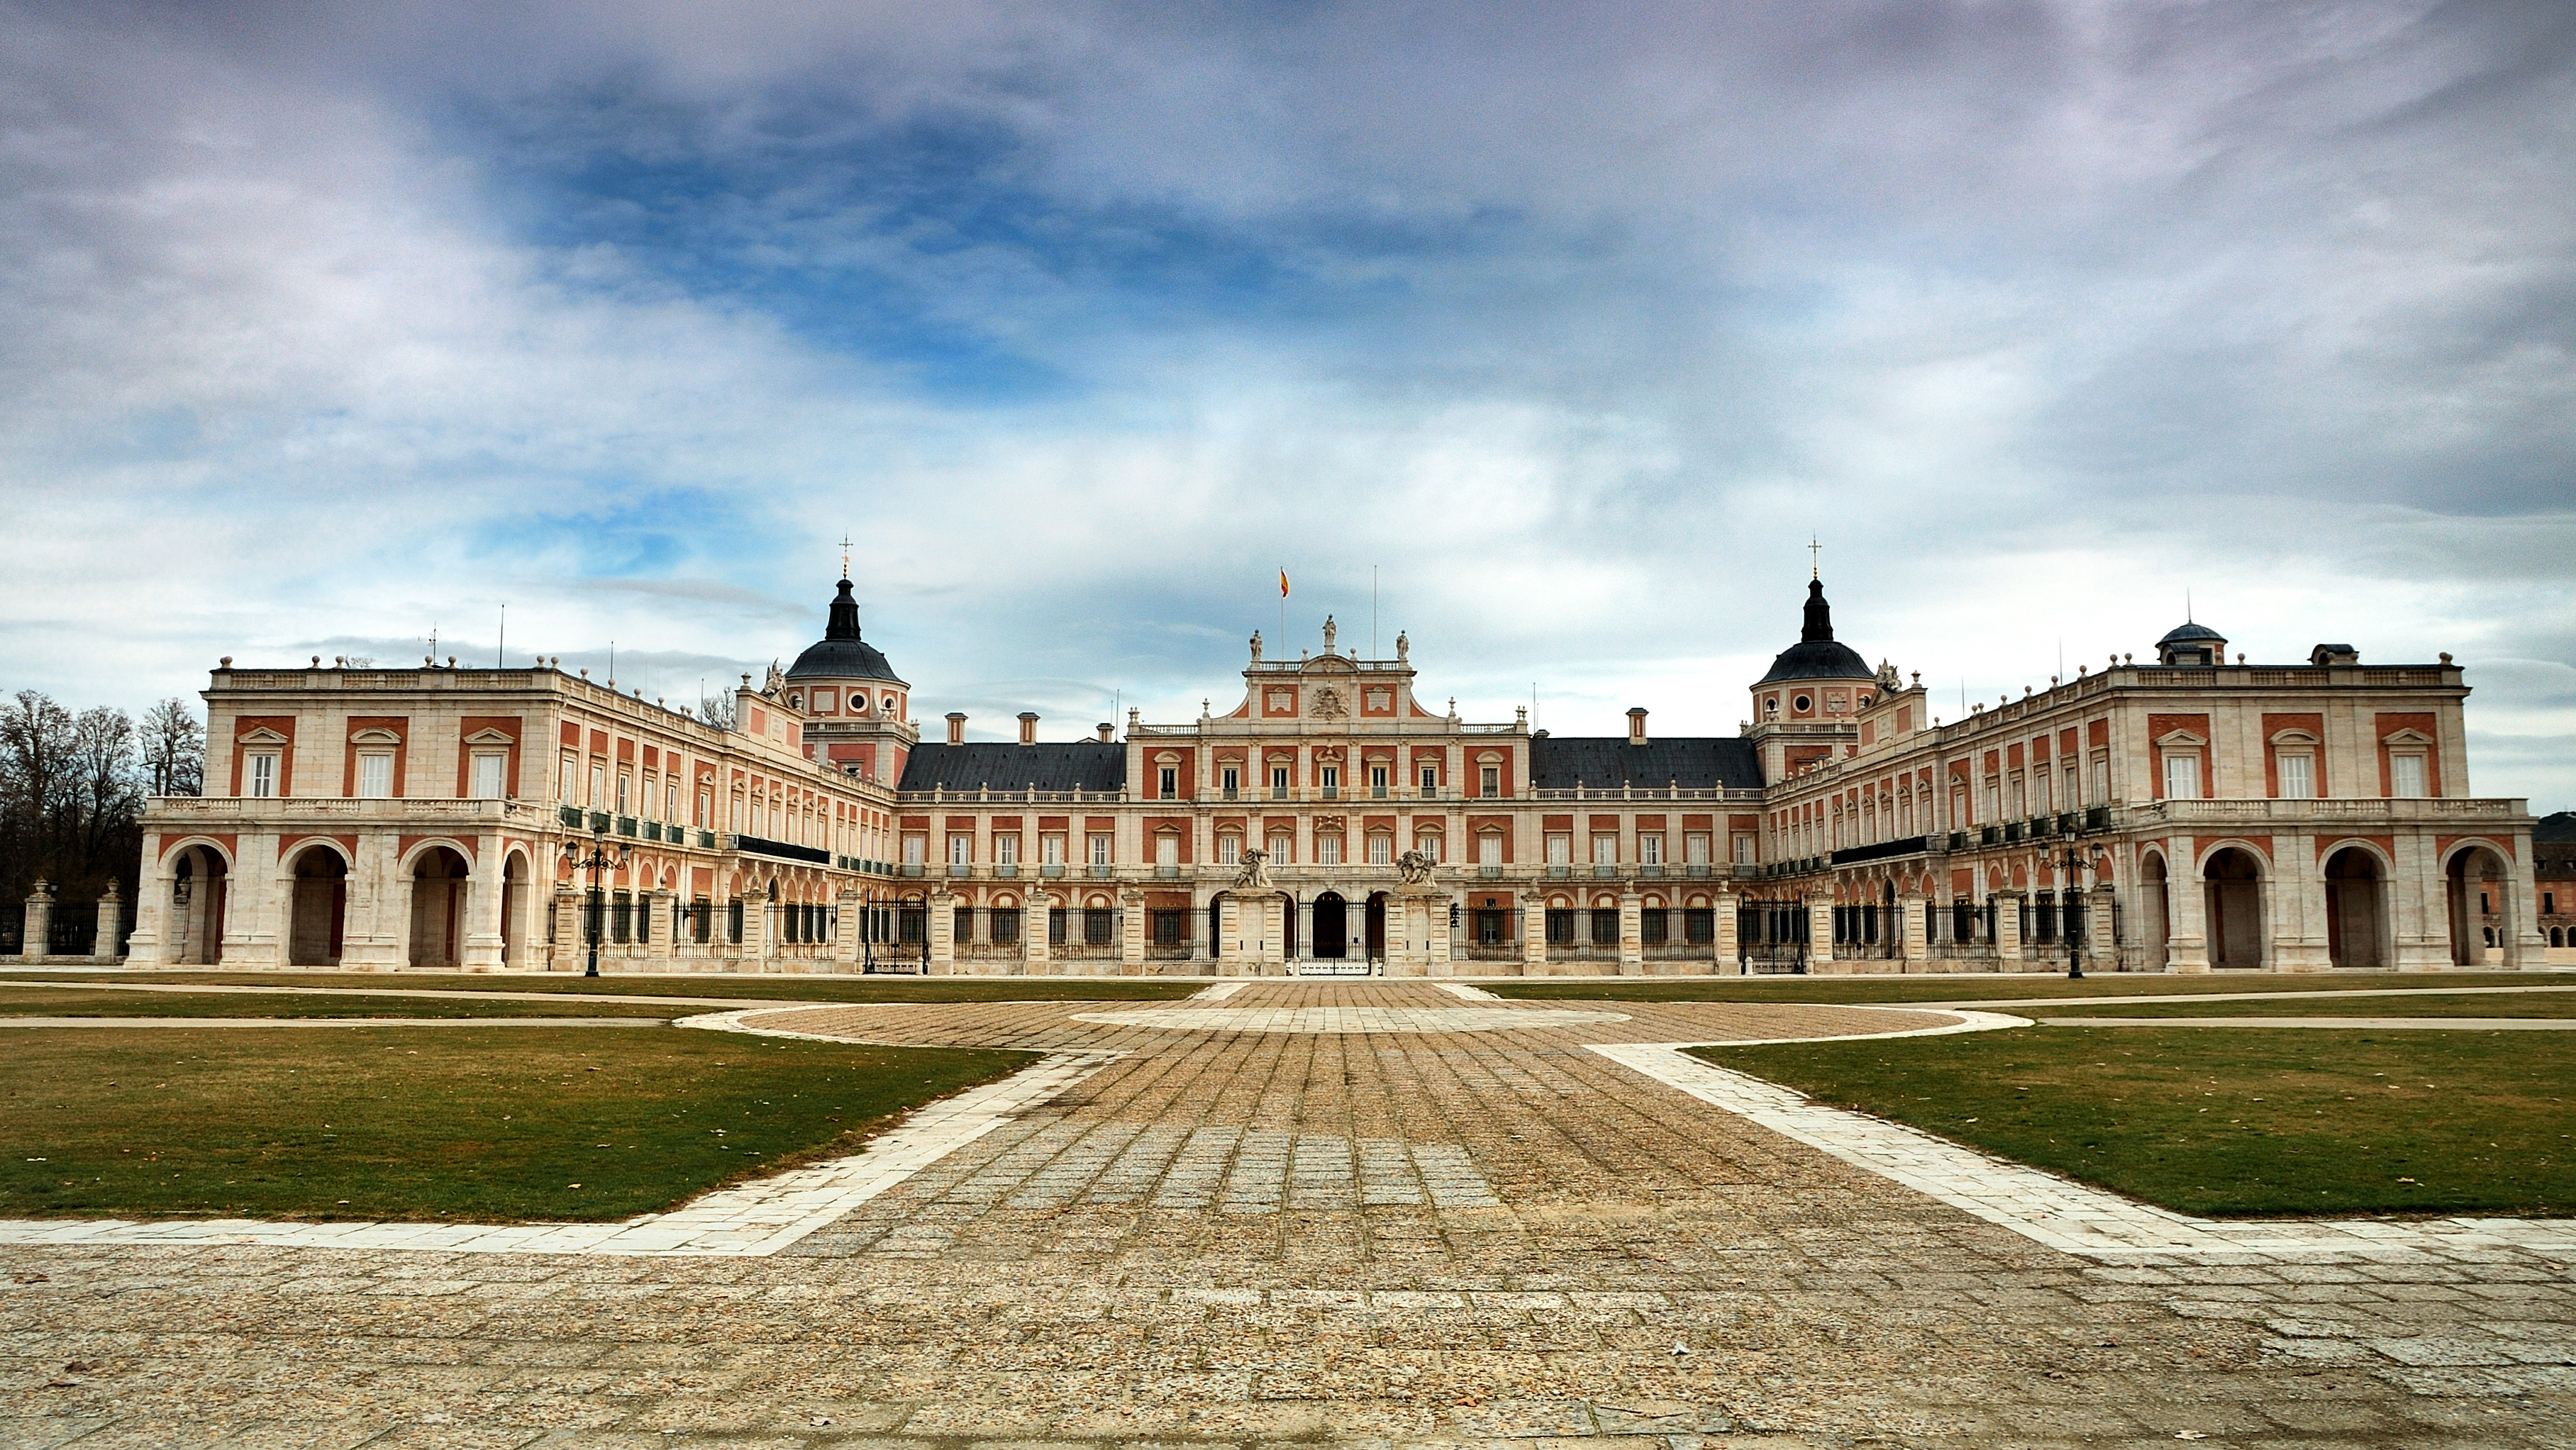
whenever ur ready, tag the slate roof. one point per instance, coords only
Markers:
(1053, 765)
(1560, 762)
(2556, 826)
(2189, 634)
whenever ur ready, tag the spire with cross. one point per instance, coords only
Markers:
(1814, 549)
(845, 556)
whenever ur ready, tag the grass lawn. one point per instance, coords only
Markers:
(75, 1001)
(2235, 1121)
(729, 985)
(432, 1123)
(2412, 1004)
(1979, 988)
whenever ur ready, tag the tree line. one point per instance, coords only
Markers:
(73, 786)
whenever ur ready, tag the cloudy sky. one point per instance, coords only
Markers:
(324, 328)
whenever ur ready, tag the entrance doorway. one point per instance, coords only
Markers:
(1376, 929)
(2355, 920)
(319, 908)
(2477, 885)
(197, 901)
(437, 907)
(1332, 926)
(2235, 887)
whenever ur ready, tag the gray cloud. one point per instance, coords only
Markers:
(1579, 324)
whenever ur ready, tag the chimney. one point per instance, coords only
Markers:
(1108, 732)
(1028, 727)
(956, 727)
(1637, 726)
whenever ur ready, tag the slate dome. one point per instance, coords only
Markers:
(1817, 655)
(840, 654)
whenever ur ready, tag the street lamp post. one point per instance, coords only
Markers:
(2071, 890)
(595, 859)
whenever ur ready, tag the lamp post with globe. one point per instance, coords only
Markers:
(595, 858)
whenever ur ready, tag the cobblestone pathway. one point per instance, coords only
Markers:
(1419, 1236)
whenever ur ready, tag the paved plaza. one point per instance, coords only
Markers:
(1353, 1213)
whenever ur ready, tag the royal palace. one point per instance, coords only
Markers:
(2186, 813)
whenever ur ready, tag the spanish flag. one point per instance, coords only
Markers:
(1283, 582)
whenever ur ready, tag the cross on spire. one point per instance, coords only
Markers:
(845, 556)
(1814, 549)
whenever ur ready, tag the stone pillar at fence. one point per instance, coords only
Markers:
(1726, 930)
(1033, 932)
(2007, 926)
(1913, 944)
(849, 908)
(1632, 934)
(1820, 932)
(1131, 935)
(940, 926)
(2099, 948)
(111, 920)
(38, 932)
(1533, 933)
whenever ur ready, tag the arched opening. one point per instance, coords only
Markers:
(2235, 897)
(1287, 928)
(2155, 910)
(318, 909)
(2356, 909)
(2478, 884)
(1216, 926)
(437, 907)
(1376, 928)
(1332, 926)
(197, 891)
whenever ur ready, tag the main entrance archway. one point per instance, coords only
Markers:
(2235, 886)
(1332, 926)
(197, 890)
(320, 905)
(437, 907)
(2479, 887)
(2356, 909)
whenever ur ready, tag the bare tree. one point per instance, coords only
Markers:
(717, 710)
(106, 788)
(174, 749)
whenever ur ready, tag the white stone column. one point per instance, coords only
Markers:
(1533, 933)
(2525, 945)
(1131, 937)
(35, 937)
(1632, 939)
(2007, 926)
(940, 926)
(1820, 932)
(1033, 932)
(1443, 942)
(251, 912)
(149, 945)
(1912, 943)
(2187, 915)
(662, 928)
(1726, 929)
(848, 907)
(481, 949)
(111, 918)
(2098, 916)
(1270, 947)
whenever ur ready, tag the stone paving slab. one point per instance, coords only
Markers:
(1074, 1275)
